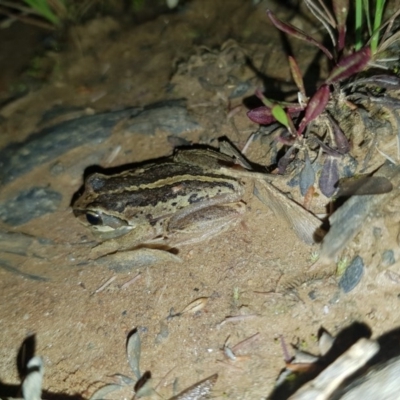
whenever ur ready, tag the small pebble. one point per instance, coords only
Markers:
(312, 294)
(388, 258)
(57, 169)
(377, 232)
(352, 276)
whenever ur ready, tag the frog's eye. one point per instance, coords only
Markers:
(93, 218)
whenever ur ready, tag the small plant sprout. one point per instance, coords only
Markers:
(309, 133)
(341, 266)
(314, 256)
(236, 294)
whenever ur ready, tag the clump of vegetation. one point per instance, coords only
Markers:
(55, 14)
(312, 140)
(47, 14)
(52, 11)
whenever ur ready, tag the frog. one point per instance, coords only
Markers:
(183, 199)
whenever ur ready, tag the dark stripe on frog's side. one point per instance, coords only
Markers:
(151, 176)
(190, 189)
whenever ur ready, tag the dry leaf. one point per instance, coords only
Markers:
(133, 350)
(195, 305)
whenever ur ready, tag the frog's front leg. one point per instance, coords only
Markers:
(129, 241)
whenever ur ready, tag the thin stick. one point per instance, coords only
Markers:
(246, 342)
(161, 295)
(102, 287)
(131, 281)
(285, 349)
(386, 156)
(237, 318)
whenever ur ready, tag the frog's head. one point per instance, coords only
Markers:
(100, 211)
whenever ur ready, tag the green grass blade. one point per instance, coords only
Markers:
(358, 27)
(380, 5)
(280, 115)
(367, 16)
(42, 8)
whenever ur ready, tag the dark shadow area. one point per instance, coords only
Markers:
(343, 341)
(273, 87)
(389, 344)
(25, 353)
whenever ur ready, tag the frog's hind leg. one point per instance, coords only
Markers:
(204, 223)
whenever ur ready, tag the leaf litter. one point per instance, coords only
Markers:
(142, 384)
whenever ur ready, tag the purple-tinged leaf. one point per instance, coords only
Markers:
(315, 107)
(261, 115)
(296, 74)
(329, 177)
(307, 176)
(350, 65)
(286, 160)
(342, 144)
(297, 33)
(341, 38)
(294, 108)
(341, 9)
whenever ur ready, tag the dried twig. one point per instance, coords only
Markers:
(107, 283)
(131, 281)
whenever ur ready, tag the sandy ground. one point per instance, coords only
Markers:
(258, 270)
